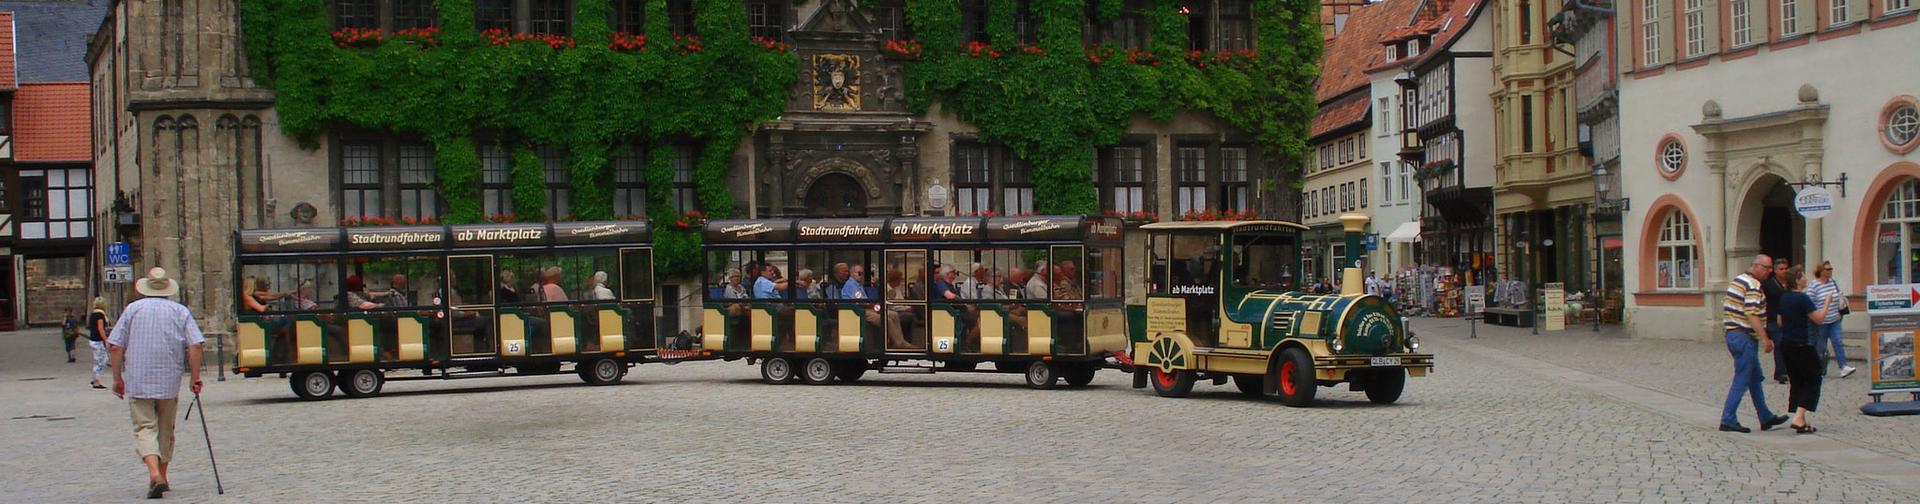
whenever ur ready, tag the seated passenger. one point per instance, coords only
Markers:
(505, 292)
(551, 291)
(597, 287)
(1037, 282)
(978, 286)
(803, 286)
(356, 294)
(731, 288)
(943, 284)
(764, 287)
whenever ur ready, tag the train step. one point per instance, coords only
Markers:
(907, 370)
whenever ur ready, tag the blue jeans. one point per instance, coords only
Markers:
(1830, 334)
(1746, 377)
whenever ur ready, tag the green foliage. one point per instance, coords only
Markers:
(1054, 105)
(587, 99)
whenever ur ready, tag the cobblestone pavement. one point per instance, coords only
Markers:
(1478, 430)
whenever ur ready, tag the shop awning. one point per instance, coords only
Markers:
(1408, 232)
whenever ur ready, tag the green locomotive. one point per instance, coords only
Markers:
(1222, 307)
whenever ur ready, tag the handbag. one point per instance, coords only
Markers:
(1844, 309)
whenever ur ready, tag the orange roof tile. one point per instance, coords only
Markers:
(1343, 66)
(1349, 109)
(53, 122)
(6, 50)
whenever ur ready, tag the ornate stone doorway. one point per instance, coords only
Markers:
(836, 195)
(1766, 210)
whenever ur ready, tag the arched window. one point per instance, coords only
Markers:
(1899, 230)
(1675, 253)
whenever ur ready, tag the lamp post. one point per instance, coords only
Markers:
(1601, 188)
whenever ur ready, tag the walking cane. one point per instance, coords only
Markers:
(217, 487)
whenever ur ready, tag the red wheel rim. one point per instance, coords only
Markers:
(1164, 379)
(1286, 378)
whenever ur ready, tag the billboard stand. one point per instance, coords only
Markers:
(1893, 313)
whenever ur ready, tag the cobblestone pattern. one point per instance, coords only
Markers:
(709, 432)
(1701, 372)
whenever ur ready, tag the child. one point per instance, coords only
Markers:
(69, 331)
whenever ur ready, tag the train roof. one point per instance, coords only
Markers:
(437, 238)
(1047, 228)
(1220, 225)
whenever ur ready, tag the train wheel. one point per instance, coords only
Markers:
(1080, 375)
(1384, 386)
(1172, 383)
(602, 372)
(1042, 375)
(312, 385)
(1295, 376)
(850, 370)
(818, 371)
(362, 383)
(1250, 384)
(776, 370)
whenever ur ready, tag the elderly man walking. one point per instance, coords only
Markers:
(1745, 308)
(155, 342)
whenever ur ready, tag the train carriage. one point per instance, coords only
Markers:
(347, 307)
(1223, 306)
(826, 300)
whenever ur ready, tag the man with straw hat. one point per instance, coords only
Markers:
(155, 341)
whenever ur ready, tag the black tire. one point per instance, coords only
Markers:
(1250, 385)
(776, 370)
(1293, 374)
(1385, 385)
(311, 385)
(602, 371)
(1079, 375)
(849, 371)
(1176, 383)
(1042, 375)
(817, 371)
(361, 382)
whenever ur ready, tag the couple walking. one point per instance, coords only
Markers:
(1784, 311)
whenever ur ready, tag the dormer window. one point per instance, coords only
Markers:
(1393, 52)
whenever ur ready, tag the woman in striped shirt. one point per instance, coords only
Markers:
(1823, 287)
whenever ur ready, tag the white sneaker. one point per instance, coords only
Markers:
(1846, 371)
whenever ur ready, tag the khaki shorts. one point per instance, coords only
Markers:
(153, 421)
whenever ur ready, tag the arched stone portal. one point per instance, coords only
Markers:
(1766, 222)
(835, 195)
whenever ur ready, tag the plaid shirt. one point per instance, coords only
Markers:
(155, 333)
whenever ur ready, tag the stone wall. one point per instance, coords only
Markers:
(52, 286)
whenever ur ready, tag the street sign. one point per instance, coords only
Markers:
(1476, 299)
(1892, 321)
(1372, 242)
(1555, 306)
(119, 253)
(117, 274)
(1891, 299)
(1813, 202)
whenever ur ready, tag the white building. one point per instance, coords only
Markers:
(1722, 113)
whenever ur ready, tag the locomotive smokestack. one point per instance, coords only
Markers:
(1352, 279)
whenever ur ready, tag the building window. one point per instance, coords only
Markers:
(418, 199)
(56, 203)
(1526, 23)
(1016, 190)
(1024, 26)
(1386, 114)
(360, 180)
(1675, 253)
(1899, 235)
(549, 17)
(1898, 5)
(409, 14)
(496, 179)
(973, 21)
(630, 182)
(1386, 183)
(1236, 25)
(1235, 188)
(686, 196)
(1404, 185)
(1837, 12)
(1650, 32)
(493, 15)
(890, 16)
(1671, 157)
(1128, 31)
(1742, 22)
(1123, 171)
(1190, 177)
(553, 167)
(1199, 13)
(1363, 192)
(356, 14)
(680, 17)
(1900, 125)
(982, 171)
(1696, 27)
(630, 16)
(764, 20)
(1526, 124)
(1789, 17)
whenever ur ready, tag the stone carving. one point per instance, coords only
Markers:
(839, 165)
(836, 82)
(303, 214)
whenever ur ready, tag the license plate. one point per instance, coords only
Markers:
(1385, 361)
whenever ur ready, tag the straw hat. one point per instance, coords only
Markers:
(156, 284)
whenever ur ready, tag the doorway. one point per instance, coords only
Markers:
(1782, 230)
(836, 195)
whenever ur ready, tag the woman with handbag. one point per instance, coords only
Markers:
(97, 338)
(1824, 287)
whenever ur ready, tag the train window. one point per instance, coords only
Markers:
(808, 279)
(515, 278)
(1068, 282)
(470, 278)
(1015, 273)
(743, 274)
(1104, 273)
(1263, 261)
(1161, 247)
(586, 275)
(636, 274)
(304, 286)
(393, 282)
(906, 276)
(1199, 260)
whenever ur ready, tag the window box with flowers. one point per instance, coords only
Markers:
(902, 49)
(1433, 169)
(1220, 215)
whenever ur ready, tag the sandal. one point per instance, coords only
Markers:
(1803, 429)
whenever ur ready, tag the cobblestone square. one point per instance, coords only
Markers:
(1500, 421)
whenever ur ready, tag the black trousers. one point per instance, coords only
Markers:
(1803, 374)
(1779, 357)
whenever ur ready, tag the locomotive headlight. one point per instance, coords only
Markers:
(1413, 343)
(1339, 344)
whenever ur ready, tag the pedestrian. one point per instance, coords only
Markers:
(97, 339)
(69, 331)
(1774, 291)
(1744, 311)
(1800, 315)
(1824, 287)
(155, 341)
